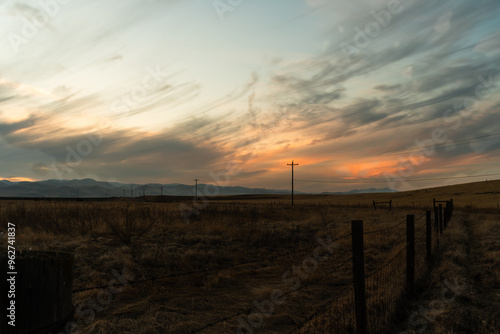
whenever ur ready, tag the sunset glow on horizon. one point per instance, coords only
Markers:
(164, 91)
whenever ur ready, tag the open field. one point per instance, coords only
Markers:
(259, 245)
(476, 195)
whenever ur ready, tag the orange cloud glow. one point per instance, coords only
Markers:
(18, 179)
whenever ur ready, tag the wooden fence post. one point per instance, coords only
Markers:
(390, 204)
(358, 269)
(436, 225)
(428, 240)
(43, 292)
(374, 205)
(446, 215)
(440, 210)
(410, 253)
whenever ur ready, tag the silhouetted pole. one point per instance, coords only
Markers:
(292, 164)
(196, 188)
(428, 239)
(410, 254)
(358, 271)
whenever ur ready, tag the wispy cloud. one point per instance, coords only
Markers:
(263, 94)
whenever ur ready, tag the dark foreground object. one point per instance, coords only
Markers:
(41, 288)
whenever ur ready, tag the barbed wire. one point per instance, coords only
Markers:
(320, 308)
(306, 285)
(387, 263)
(399, 237)
(422, 216)
(206, 270)
(421, 236)
(284, 294)
(385, 229)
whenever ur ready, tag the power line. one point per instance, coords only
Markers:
(292, 164)
(411, 180)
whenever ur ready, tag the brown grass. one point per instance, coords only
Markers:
(470, 260)
(151, 239)
(476, 195)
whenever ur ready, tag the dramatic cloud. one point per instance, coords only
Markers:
(163, 91)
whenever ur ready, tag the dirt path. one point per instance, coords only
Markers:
(463, 294)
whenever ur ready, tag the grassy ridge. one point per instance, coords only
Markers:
(482, 195)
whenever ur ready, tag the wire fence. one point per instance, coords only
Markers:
(208, 269)
(384, 288)
(309, 284)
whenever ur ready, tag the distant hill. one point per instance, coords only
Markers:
(362, 191)
(87, 188)
(91, 188)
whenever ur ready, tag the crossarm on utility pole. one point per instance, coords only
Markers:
(292, 164)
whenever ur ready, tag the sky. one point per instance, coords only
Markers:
(401, 94)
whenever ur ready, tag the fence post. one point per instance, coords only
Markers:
(358, 269)
(440, 210)
(446, 214)
(374, 205)
(410, 253)
(390, 204)
(428, 240)
(436, 225)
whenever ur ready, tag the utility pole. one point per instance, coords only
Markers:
(292, 164)
(196, 188)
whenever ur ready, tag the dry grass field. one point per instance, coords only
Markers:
(253, 243)
(476, 195)
(463, 293)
